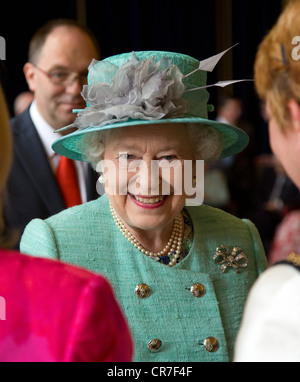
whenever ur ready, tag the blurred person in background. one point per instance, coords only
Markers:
(22, 102)
(59, 55)
(238, 170)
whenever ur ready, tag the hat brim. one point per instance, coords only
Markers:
(234, 139)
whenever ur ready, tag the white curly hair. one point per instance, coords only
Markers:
(206, 144)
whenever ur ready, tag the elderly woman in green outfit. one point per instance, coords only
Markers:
(180, 270)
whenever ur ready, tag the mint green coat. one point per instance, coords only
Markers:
(87, 236)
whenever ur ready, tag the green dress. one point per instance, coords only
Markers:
(184, 322)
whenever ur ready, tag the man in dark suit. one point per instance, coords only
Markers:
(59, 55)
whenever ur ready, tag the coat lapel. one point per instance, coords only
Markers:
(92, 178)
(31, 154)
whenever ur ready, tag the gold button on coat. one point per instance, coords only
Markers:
(211, 344)
(142, 290)
(154, 345)
(198, 290)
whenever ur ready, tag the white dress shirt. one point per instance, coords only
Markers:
(48, 137)
(270, 329)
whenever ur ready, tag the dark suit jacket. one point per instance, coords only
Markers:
(32, 191)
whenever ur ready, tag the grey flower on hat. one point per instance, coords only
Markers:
(145, 88)
(136, 90)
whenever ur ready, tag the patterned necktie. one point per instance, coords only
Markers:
(66, 176)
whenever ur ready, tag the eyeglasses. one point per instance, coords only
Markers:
(64, 78)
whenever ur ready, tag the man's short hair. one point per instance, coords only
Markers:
(38, 40)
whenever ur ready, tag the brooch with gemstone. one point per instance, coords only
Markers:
(234, 258)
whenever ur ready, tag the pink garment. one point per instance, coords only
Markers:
(51, 311)
(286, 238)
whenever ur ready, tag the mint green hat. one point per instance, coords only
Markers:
(146, 88)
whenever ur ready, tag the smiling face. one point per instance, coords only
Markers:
(143, 203)
(66, 49)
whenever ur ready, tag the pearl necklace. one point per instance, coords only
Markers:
(172, 248)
